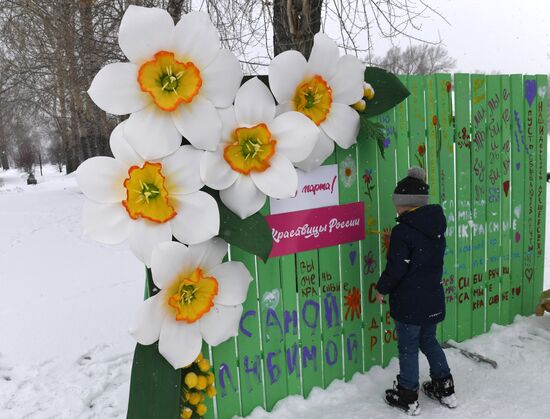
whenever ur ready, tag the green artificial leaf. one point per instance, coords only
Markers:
(372, 131)
(155, 386)
(388, 91)
(253, 234)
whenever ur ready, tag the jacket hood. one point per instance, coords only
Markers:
(428, 219)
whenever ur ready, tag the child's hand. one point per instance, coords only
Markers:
(380, 298)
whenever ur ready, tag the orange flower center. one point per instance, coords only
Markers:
(192, 296)
(250, 149)
(146, 194)
(169, 81)
(313, 98)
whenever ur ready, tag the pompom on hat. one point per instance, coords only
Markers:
(412, 191)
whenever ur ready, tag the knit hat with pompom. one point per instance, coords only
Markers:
(411, 191)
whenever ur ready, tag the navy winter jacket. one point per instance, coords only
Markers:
(414, 268)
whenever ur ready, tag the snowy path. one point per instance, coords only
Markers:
(66, 303)
(518, 389)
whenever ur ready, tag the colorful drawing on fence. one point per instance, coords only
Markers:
(348, 172)
(353, 304)
(420, 151)
(299, 231)
(385, 233)
(369, 184)
(369, 263)
(281, 325)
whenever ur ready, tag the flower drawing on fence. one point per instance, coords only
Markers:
(146, 202)
(420, 151)
(255, 158)
(369, 263)
(353, 304)
(200, 298)
(176, 78)
(369, 184)
(348, 171)
(322, 88)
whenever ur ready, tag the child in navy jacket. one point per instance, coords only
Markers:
(412, 279)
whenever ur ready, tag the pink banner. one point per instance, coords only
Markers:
(299, 231)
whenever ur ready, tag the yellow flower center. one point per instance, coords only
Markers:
(192, 296)
(146, 194)
(169, 81)
(313, 98)
(250, 149)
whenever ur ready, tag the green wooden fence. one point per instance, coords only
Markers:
(482, 141)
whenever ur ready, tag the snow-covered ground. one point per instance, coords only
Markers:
(65, 303)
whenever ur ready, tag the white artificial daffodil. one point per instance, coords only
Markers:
(322, 88)
(146, 202)
(200, 298)
(257, 152)
(176, 78)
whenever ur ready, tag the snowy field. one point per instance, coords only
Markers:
(66, 303)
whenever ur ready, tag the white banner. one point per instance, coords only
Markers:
(316, 189)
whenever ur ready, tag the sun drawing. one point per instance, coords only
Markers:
(353, 303)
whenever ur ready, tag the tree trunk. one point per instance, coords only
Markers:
(175, 8)
(295, 23)
(98, 131)
(4, 161)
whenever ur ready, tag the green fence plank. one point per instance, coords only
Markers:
(479, 200)
(505, 200)
(402, 125)
(387, 181)
(350, 273)
(494, 191)
(541, 140)
(272, 326)
(225, 364)
(289, 288)
(518, 153)
(433, 145)
(433, 139)
(530, 123)
(417, 121)
(307, 269)
(224, 360)
(447, 200)
(463, 144)
(248, 341)
(370, 253)
(331, 313)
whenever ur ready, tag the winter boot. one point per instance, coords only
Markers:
(442, 390)
(406, 400)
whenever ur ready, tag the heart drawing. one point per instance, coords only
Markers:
(506, 187)
(530, 91)
(352, 256)
(529, 273)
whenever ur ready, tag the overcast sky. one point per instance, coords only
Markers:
(507, 36)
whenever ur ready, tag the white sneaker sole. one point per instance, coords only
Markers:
(450, 401)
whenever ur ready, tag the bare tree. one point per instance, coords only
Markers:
(417, 59)
(50, 50)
